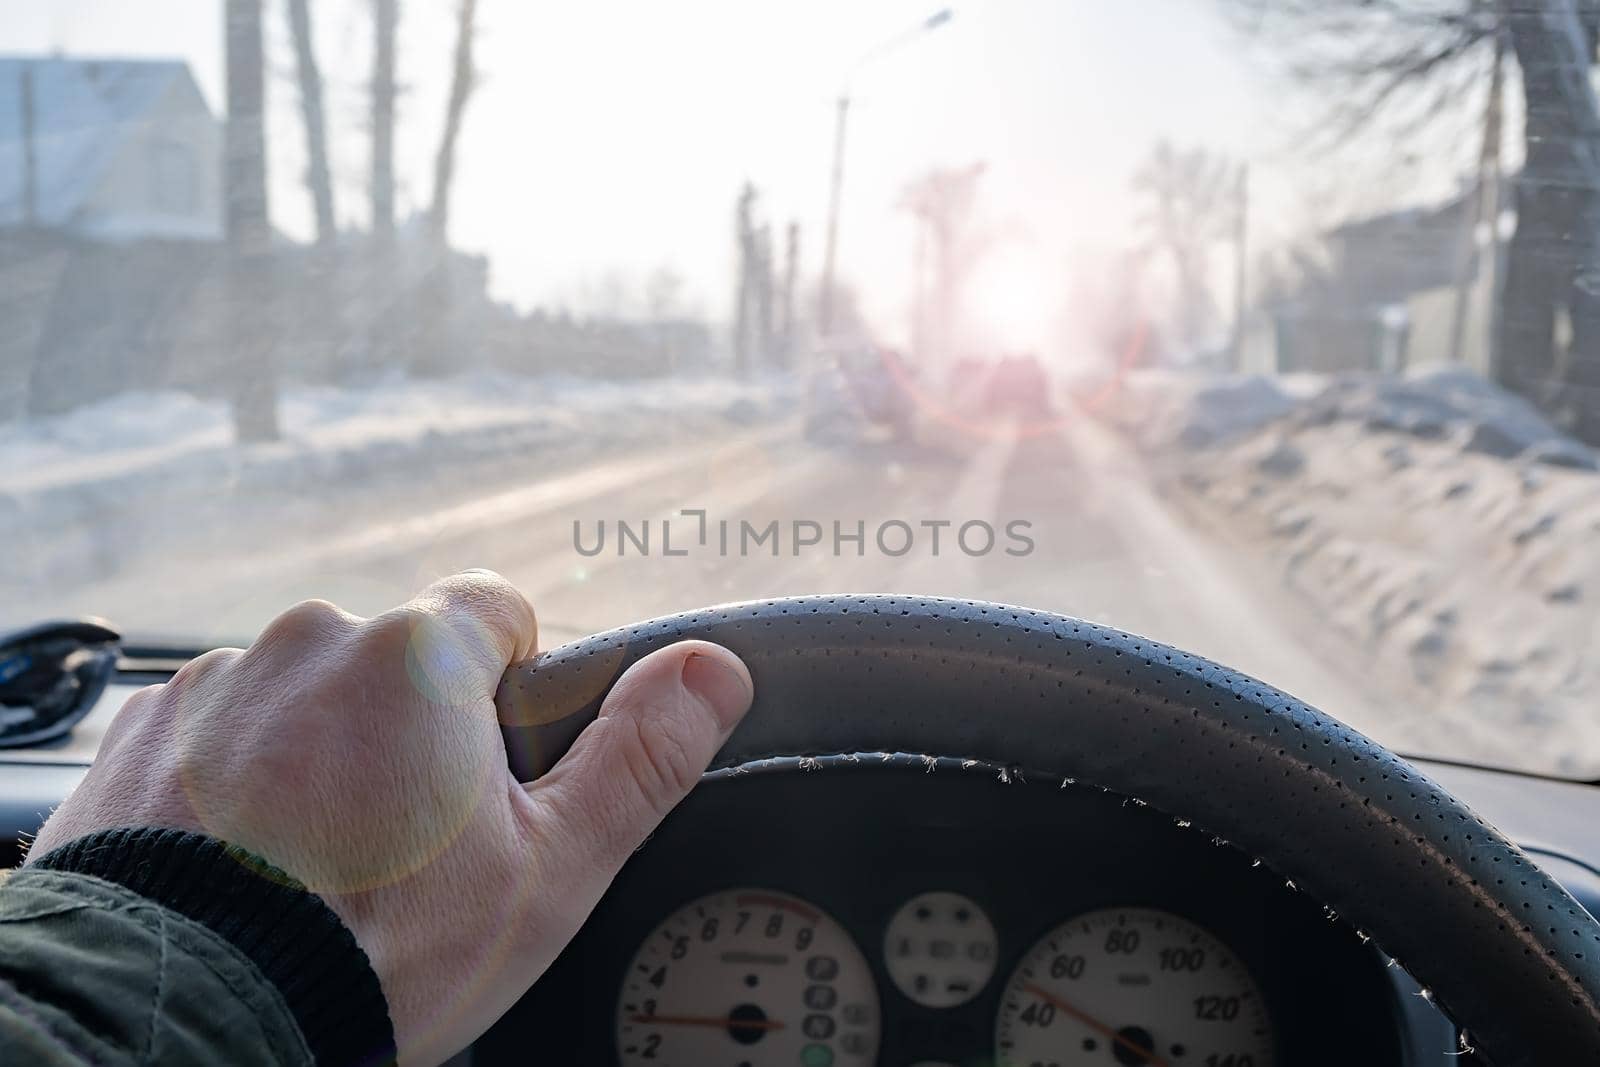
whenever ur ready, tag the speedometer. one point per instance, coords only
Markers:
(1132, 986)
(748, 978)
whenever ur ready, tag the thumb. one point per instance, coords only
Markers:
(657, 731)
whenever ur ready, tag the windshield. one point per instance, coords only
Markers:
(1270, 330)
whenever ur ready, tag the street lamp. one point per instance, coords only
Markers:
(836, 187)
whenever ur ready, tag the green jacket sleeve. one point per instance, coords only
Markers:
(91, 972)
(162, 947)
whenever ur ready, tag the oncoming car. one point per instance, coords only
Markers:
(856, 391)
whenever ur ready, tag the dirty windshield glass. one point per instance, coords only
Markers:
(1267, 329)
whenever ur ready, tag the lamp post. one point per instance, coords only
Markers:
(836, 184)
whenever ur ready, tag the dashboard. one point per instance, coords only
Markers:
(920, 914)
(1035, 896)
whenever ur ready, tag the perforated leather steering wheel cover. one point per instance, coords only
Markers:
(1507, 952)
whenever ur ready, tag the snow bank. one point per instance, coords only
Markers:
(1437, 526)
(83, 493)
(1163, 409)
(1175, 409)
(151, 434)
(1449, 403)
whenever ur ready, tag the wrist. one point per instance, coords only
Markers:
(291, 936)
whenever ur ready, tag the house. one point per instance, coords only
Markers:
(1391, 295)
(108, 150)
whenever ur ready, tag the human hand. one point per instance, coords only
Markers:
(363, 756)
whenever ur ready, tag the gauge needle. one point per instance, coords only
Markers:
(1148, 1055)
(720, 1022)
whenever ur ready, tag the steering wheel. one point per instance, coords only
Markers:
(1502, 948)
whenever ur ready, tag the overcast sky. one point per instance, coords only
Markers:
(611, 137)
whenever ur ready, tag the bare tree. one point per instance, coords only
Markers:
(432, 305)
(944, 203)
(1108, 313)
(249, 233)
(663, 294)
(1485, 205)
(319, 180)
(1193, 203)
(765, 283)
(1553, 262)
(388, 315)
(385, 27)
(663, 304)
(30, 147)
(462, 81)
(747, 300)
(791, 269)
(1399, 67)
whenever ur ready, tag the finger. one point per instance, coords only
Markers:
(658, 730)
(475, 618)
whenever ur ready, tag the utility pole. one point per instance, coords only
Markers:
(830, 248)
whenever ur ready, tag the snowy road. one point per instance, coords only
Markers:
(1104, 548)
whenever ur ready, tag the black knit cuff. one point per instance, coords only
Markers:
(292, 937)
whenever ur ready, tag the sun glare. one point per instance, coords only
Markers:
(1014, 302)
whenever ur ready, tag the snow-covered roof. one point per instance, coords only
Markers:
(82, 110)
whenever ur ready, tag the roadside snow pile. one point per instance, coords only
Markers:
(153, 434)
(93, 487)
(1444, 528)
(1166, 409)
(1452, 404)
(129, 430)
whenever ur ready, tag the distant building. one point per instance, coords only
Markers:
(1379, 261)
(1388, 295)
(108, 149)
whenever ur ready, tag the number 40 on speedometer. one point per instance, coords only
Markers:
(1132, 987)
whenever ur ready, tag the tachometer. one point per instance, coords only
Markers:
(1132, 986)
(747, 978)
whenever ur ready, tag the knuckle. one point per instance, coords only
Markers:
(205, 666)
(660, 763)
(307, 621)
(495, 607)
(477, 583)
(140, 697)
(506, 608)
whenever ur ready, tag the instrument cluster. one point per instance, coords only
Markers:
(758, 978)
(875, 914)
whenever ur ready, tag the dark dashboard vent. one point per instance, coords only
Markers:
(50, 676)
